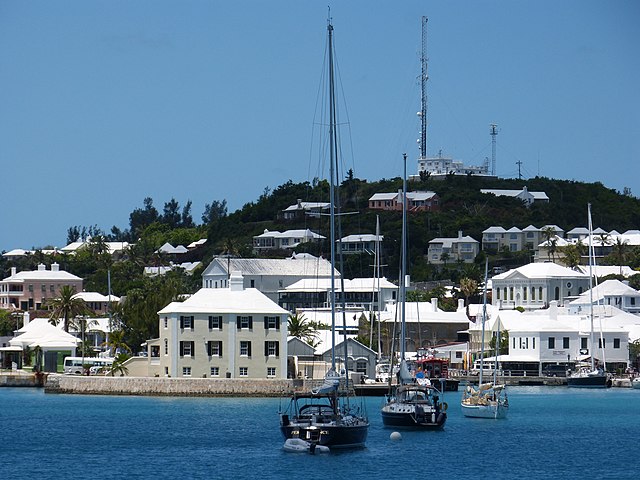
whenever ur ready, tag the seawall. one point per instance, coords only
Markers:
(163, 386)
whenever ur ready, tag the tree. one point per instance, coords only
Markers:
(619, 252)
(214, 211)
(171, 213)
(116, 342)
(67, 306)
(186, 220)
(298, 326)
(118, 365)
(573, 254)
(141, 218)
(468, 287)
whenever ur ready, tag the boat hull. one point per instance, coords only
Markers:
(332, 436)
(635, 383)
(589, 381)
(409, 420)
(485, 411)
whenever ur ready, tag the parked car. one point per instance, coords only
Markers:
(555, 371)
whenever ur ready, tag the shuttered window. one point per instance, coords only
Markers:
(244, 322)
(215, 322)
(271, 323)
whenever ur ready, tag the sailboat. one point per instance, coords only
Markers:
(327, 416)
(591, 376)
(414, 404)
(490, 399)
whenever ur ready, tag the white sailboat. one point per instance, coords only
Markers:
(412, 404)
(591, 376)
(327, 416)
(489, 400)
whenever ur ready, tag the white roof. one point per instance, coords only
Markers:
(419, 196)
(161, 270)
(42, 275)
(423, 312)
(40, 332)
(298, 265)
(95, 297)
(16, 252)
(578, 230)
(514, 193)
(225, 300)
(540, 270)
(307, 206)
(383, 196)
(531, 228)
(197, 243)
(560, 242)
(604, 270)
(362, 237)
(324, 284)
(494, 230)
(608, 288)
(170, 249)
(301, 233)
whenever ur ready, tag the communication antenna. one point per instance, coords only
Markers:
(494, 133)
(423, 92)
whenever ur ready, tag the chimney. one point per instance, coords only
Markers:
(41, 267)
(553, 310)
(459, 233)
(55, 267)
(460, 304)
(299, 203)
(236, 282)
(14, 270)
(434, 303)
(25, 319)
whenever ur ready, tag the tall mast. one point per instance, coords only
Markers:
(403, 273)
(423, 91)
(332, 159)
(591, 255)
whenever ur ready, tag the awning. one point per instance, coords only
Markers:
(11, 349)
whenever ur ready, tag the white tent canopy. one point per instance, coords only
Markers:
(40, 332)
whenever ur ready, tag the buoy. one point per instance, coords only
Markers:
(395, 436)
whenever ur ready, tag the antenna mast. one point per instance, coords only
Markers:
(423, 90)
(494, 132)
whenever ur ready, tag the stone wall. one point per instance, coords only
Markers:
(163, 386)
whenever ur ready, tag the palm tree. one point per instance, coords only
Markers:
(619, 252)
(116, 342)
(118, 365)
(468, 287)
(67, 306)
(298, 326)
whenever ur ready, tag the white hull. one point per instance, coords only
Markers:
(485, 411)
(635, 383)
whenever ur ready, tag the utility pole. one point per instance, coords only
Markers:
(494, 133)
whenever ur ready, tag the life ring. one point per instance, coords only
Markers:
(444, 405)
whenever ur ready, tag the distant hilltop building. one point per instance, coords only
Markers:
(441, 166)
(525, 195)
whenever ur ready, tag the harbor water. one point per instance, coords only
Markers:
(551, 432)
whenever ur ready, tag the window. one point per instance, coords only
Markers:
(166, 371)
(244, 322)
(272, 323)
(616, 343)
(271, 371)
(186, 371)
(245, 348)
(166, 346)
(565, 342)
(215, 322)
(31, 288)
(215, 371)
(533, 294)
(602, 343)
(583, 343)
(244, 371)
(187, 349)
(552, 343)
(458, 354)
(52, 288)
(540, 293)
(271, 349)
(511, 293)
(214, 348)
(498, 292)
(43, 288)
(166, 322)
(632, 300)
(253, 284)
(361, 366)
(524, 293)
(557, 294)
(186, 322)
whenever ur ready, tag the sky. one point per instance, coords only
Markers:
(104, 103)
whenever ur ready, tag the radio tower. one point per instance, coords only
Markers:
(423, 92)
(494, 132)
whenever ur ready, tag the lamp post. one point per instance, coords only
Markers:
(83, 321)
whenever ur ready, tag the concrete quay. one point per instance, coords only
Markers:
(19, 378)
(165, 386)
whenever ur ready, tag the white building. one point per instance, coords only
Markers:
(225, 332)
(534, 285)
(527, 197)
(268, 275)
(609, 292)
(287, 240)
(445, 250)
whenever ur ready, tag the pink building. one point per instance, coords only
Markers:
(29, 290)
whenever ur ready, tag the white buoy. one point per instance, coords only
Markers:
(395, 436)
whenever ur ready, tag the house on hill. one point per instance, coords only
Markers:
(30, 290)
(284, 240)
(444, 250)
(300, 209)
(527, 197)
(416, 201)
(268, 275)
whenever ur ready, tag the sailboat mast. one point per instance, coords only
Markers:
(484, 317)
(591, 255)
(378, 281)
(403, 273)
(332, 159)
(423, 90)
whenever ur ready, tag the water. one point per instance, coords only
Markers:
(551, 432)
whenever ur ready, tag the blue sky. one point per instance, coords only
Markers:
(104, 103)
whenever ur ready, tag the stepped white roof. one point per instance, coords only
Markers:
(540, 270)
(225, 300)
